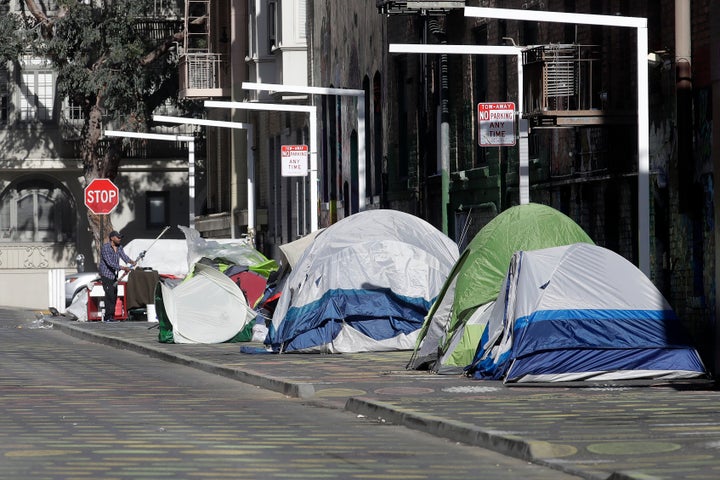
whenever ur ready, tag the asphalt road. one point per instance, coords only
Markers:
(70, 409)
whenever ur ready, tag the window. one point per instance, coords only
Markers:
(252, 31)
(300, 17)
(403, 160)
(331, 174)
(51, 6)
(36, 211)
(74, 112)
(157, 209)
(37, 90)
(272, 26)
(377, 126)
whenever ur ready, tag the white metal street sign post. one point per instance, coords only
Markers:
(506, 50)
(294, 160)
(643, 102)
(191, 159)
(311, 110)
(496, 124)
(640, 25)
(336, 91)
(250, 160)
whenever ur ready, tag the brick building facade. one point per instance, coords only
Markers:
(419, 105)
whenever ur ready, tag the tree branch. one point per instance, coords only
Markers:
(162, 49)
(43, 19)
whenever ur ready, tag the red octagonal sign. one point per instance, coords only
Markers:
(101, 196)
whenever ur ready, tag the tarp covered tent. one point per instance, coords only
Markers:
(176, 257)
(233, 275)
(582, 312)
(452, 329)
(229, 251)
(208, 307)
(166, 256)
(365, 284)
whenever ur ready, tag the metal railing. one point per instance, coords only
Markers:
(203, 72)
(559, 78)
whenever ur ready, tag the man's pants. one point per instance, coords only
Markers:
(110, 288)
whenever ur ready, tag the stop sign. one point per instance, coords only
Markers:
(101, 196)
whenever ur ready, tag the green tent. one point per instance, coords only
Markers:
(455, 322)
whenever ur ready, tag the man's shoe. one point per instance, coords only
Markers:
(110, 320)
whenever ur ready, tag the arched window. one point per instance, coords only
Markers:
(36, 211)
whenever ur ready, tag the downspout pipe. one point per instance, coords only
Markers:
(684, 94)
(438, 31)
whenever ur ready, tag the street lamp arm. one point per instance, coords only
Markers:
(557, 17)
(149, 136)
(280, 88)
(202, 122)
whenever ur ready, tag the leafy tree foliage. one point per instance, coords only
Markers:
(114, 60)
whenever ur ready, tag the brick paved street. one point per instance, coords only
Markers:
(594, 431)
(73, 409)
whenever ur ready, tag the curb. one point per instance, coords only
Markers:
(452, 430)
(291, 389)
(534, 451)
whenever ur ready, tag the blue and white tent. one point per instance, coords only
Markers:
(582, 313)
(365, 284)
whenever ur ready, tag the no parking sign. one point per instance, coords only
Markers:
(294, 160)
(496, 124)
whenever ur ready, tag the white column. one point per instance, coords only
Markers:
(313, 174)
(361, 153)
(251, 186)
(643, 152)
(191, 182)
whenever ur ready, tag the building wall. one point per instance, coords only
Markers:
(348, 50)
(588, 172)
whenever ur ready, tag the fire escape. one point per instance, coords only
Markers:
(204, 60)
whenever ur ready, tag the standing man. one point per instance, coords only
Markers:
(109, 267)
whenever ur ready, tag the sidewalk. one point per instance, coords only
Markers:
(595, 431)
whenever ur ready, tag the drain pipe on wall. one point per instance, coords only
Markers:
(444, 118)
(684, 98)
